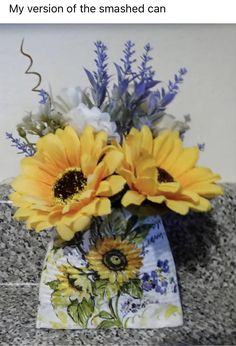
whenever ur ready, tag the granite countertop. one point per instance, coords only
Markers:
(203, 246)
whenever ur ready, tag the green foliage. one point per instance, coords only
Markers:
(53, 284)
(139, 233)
(133, 288)
(105, 315)
(58, 299)
(81, 312)
(105, 289)
(106, 324)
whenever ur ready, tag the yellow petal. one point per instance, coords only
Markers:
(81, 223)
(90, 209)
(104, 189)
(98, 174)
(22, 214)
(207, 190)
(88, 163)
(134, 132)
(103, 207)
(203, 205)
(172, 187)
(146, 140)
(116, 183)
(179, 207)
(41, 226)
(112, 161)
(87, 140)
(163, 145)
(65, 232)
(29, 186)
(30, 168)
(132, 197)
(127, 175)
(143, 164)
(186, 160)
(71, 143)
(131, 149)
(190, 194)
(156, 199)
(99, 143)
(146, 186)
(175, 152)
(198, 175)
(53, 147)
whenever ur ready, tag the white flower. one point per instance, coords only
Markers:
(70, 105)
(168, 121)
(43, 110)
(68, 99)
(82, 116)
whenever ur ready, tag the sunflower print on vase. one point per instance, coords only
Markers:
(125, 281)
(71, 282)
(67, 181)
(160, 170)
(116, 260)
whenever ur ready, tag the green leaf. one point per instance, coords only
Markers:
(59, 300)
(133, 288)
(103, 288)
(131, 222)
(72, 311)
(113, 224)
(53, 284)
(104, 314)
(140, 233)
(106, 324)
(81, 312)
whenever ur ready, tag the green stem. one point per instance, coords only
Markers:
(115, 313)
(116, 309)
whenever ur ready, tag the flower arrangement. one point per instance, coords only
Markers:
(101, 164)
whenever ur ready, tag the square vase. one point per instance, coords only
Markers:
(118, 274)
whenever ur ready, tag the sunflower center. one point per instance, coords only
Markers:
(115, 260)
(71, 183)
(164, 176)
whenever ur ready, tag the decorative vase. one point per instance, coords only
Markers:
(118, 274)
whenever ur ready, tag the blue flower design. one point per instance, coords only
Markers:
(131, 305)
(157, 279)
(163, 265)
(149, 281)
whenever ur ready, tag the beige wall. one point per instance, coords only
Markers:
(60, 52)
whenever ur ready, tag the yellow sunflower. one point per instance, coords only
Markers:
(67, 181)
(72, 284)
(160, 170)
(115, 260)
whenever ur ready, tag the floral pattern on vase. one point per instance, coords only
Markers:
(118, 274)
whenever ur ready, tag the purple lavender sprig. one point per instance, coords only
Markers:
(160, 99)
(146, 73)
(142, 80)
(20, 145)
(128, 59)
(132, 101)
(99, 79)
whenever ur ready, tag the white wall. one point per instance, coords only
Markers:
(61, 51)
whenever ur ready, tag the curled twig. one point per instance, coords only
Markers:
(28, 71)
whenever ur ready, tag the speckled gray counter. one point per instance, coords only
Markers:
(204, 248)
